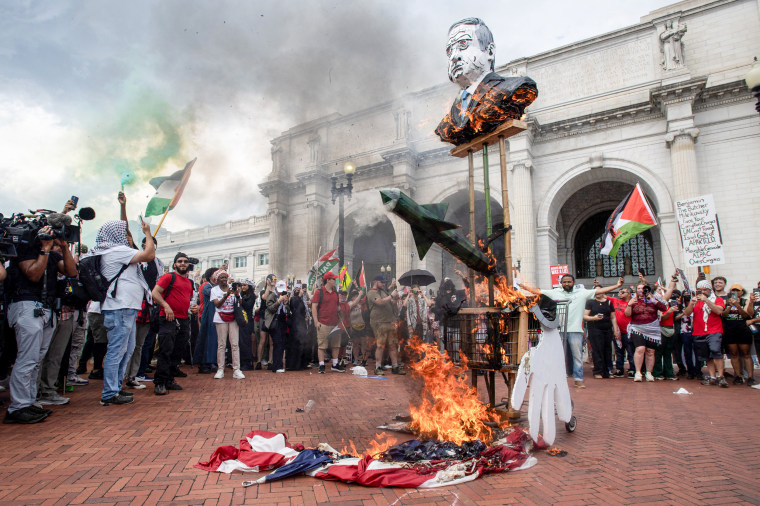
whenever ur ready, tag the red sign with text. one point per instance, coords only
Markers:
(557, 271)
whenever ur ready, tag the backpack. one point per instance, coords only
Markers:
(155, 309)
(92, 279)
(72, 293)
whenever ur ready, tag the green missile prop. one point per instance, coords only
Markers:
(428, 227)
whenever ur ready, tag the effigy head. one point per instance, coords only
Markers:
(470, 51)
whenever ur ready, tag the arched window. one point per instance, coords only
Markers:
(633, 255)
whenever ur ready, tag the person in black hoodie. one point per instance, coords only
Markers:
(247, 338)
(297, 350)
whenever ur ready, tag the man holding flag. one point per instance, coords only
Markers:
(631, 217)
(324, 264)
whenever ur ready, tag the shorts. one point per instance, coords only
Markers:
(385, 334)
(736, 334)
(326, 338)
(638, 341)
(708, 346)
(98, 328)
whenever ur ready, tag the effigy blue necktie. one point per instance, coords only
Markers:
(465, 103)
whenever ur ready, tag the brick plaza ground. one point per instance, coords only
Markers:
(635, 443)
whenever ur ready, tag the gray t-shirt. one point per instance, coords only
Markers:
(130, 292)
(576, 307)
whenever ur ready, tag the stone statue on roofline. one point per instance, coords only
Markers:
(487, 99)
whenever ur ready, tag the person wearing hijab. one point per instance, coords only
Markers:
(223, 297)
(205, 347)
(247, 337)
(707, 331)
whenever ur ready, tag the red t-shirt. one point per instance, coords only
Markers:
(622, 319)
(714, 323)
(328, 310)
(179, 296)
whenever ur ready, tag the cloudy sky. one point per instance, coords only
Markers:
(91, 89)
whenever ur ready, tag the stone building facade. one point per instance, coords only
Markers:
(661, 103)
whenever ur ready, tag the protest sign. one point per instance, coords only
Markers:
(700, 231)
(557, 271)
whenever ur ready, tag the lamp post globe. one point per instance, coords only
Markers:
(753, 82)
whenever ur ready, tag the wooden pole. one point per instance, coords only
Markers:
(505, 206)
(161, 222)
(473, 235)
(489, 224)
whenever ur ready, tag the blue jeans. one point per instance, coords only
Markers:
(620, 353)
(122, 332)
(575, 343)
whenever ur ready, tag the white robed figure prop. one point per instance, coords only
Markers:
(543, 369)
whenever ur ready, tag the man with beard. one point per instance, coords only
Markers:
(172, 293)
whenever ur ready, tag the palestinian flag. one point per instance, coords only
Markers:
(362, 282)
(633, 216)
(345, 279)
(324, 264)
(168, 190)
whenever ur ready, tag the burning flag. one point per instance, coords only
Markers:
(324, 264)
(631, 217)
(168, 191)
(345, 279)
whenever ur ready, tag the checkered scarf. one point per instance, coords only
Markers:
(113, 233)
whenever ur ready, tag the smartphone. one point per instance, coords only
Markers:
(756, 291)
(141, 219)
(74, 199)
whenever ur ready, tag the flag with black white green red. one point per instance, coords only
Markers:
(633, 216)
(168, 190)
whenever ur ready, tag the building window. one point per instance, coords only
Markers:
(633, 255)
(239, 262)
(263, 259)
(215, 263)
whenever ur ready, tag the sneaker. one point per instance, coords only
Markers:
(322, 369)
(53, 399)
(579, 384)
(631, 373)
(174, 386)
(337, 368)
(133, 383)
(96, 375)
(386, 367)
(264, 363)
(619, 374)
(364, 363)
(280, 370)
(219, 373)
(117, 399)
(637, 377)
(750, 382)
(738, 380)
(597, 376)
(257, 366)
(144, 378)
(672, 378)
(707, 380)
(398, 370)
(660, 378)
(238, 374)
(648, 376)
(379, 371)
(159, 390)
(178, 373)
(721, 381)
(82, 369)
(150, 368)
(24, 416)
(76, 380)
(124, 393)
(39, 409)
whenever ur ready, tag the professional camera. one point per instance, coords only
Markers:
(21, 231)
(646, 289)
(193, 262)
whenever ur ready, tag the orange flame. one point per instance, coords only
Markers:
(450, 409)
(379, 446)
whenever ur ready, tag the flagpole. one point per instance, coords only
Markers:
(161, 222)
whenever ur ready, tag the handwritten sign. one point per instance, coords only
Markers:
(557, 271)
(700, 231)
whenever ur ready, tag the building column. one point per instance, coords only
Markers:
(669, 244)
(404, 245)
(683, 162)
(314, 212)
(546, 248)
(523, 219)
(276, 241)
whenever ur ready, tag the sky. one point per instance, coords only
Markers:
(90, 90)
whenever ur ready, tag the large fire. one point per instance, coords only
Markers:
(450, 409)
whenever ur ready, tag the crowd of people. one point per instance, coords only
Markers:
(654, 328)
(151, 319)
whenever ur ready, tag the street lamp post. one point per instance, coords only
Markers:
(338, 192)
(753, 82)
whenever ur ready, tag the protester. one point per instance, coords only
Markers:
(663, 353)
(297, 350)
(737, 337)
(416, 313)
(358, 330)
(264, 337)
(623, 346)
(601, 322)
(31, 292)
(382, 320)
(224, 296)
(708, 331)
(119, 263)
(173, 293)
(246, 331)
(325, 306)
(276, 320)
(686, 328)
(205, 347)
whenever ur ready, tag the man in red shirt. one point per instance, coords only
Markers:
(624, 346)
(324, 308)
(708, 331)
(172, 293)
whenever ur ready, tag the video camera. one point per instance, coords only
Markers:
(21, 231)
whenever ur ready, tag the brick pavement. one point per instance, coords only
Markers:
(635, 443)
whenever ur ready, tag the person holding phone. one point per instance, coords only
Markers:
(223, 296)
(707, 331)
(737, 337)
(601, 322)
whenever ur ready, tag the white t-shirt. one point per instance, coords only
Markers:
(130, 292)
(228, 306)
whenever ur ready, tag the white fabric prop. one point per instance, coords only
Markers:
(543, 368)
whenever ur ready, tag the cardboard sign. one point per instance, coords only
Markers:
(557, 271)
(700, 231)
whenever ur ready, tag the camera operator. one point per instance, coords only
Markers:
(173, 293)
(31, 290)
